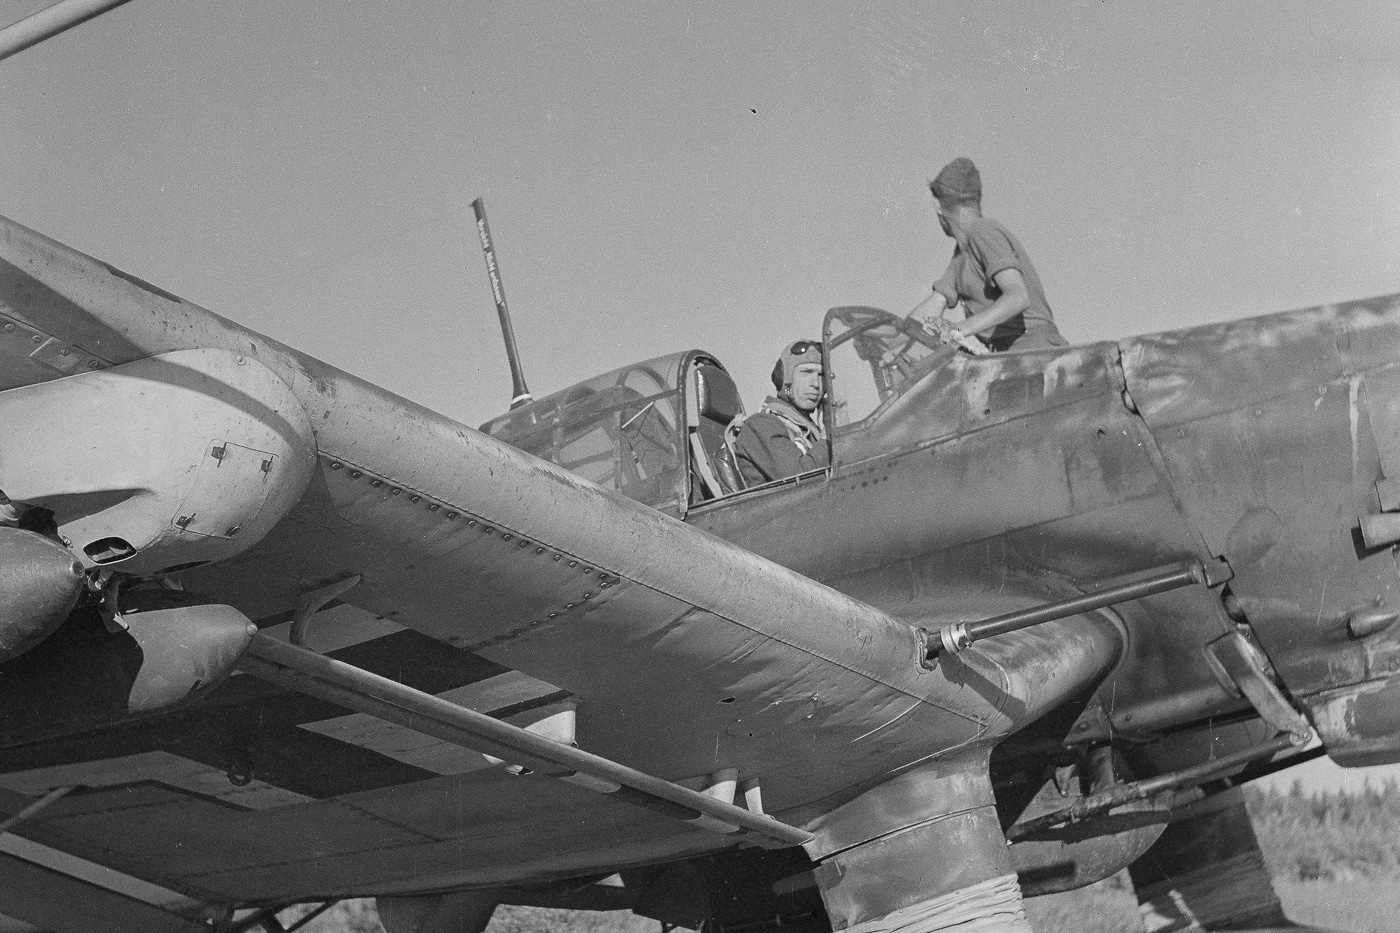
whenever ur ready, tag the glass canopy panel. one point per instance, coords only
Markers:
(872, 356)
(622, 430)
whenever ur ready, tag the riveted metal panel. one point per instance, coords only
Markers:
(1274, 459)
(1380, 395)
(1185, 375)
(29, 355)
(230, 487)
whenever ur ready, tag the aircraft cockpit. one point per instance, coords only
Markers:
(653, 431)
(895, 384)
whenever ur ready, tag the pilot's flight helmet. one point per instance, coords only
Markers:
(794, 355)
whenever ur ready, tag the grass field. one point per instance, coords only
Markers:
(1370, 905)
(1335, 859)
(1363, 905)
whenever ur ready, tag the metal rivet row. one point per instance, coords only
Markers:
(604, 580)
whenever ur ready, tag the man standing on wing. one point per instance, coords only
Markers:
(786, 436)
(990, 274)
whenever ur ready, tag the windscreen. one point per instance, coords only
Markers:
(621, 430)
(872, 355)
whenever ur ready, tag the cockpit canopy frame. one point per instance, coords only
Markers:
(898, 351)
(634, 429)
(655, 430)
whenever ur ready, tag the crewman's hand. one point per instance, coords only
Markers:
(930, 311)
(968, 343)
(933, 315)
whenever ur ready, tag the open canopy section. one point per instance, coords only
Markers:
(872, 356)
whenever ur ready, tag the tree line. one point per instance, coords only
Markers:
(1328, 835)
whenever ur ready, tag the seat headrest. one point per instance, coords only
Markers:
(716, 396)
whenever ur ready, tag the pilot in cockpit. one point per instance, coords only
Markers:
(786, 437)
(990, 274)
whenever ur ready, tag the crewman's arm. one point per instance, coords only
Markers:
(931, 309)
(1015, 299)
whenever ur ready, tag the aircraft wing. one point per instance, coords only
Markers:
(368, 537)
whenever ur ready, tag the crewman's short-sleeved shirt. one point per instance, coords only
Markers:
(986, 248)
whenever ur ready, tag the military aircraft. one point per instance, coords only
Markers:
(272, 635)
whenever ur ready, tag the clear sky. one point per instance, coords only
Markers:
(663, 176)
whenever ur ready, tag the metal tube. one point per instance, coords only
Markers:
(956, 637)
(521, 395)
(438, 727)
(49, 22)
(347, 685)
(311, 916)
(1141, 790)
(30, 811)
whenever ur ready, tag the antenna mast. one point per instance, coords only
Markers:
(521, 394)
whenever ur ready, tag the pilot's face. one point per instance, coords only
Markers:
(807, 386)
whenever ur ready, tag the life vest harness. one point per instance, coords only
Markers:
(805, 436)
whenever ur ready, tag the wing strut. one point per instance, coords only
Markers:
(960, 635)
(1120, 794)
(30, 811)
(366, 692)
